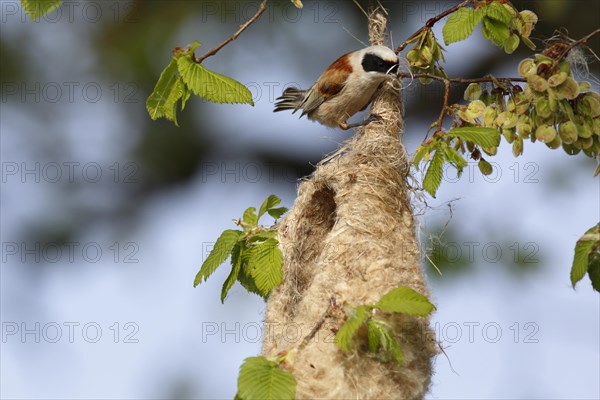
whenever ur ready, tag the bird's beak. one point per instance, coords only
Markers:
(392, 68)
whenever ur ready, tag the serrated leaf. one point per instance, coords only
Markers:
(373, 335)
(250, 216)
(262, 236)
(269, 203)
(583, 248)
(265, 266)
(277, 212)
(420, 153)
(176, 94)
(455, 159)
(356, 317)
(460, 25)
(498, 12)
(394, 350)
(212, 86)
(162, 102)
(236, 265)
(245, 279)
(219, 253)
(405, 300)
(385, 346)
(262, 379)
(495, 32)
(484, 137)
(185, 96)
(594, 269)
(433, 176)
(38, 8)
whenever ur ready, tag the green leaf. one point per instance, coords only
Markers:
(356, 317)
(269, 203)
(236, 265)
(262, 236)
(277, 212)
(498, 12)
(473, 92)
(250, 216)
(385, 346)
(495, 32)
(583, 249)
(460, 25)
(484, 137)
(455, 159)
(191, 48)
(405, 300)
(420, 153)
(511, 44)
(245, 279)
(212, 86)
(174, 96)
(393, 349)
(265, 266)
(262, 379)
(185, 96)
(433, 176)
(594, 269)
(162, 102)
(485, 167)
(38, 8)
(219, 253)
(528, 42)
(373, 335)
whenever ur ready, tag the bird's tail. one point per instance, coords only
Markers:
(291, 99)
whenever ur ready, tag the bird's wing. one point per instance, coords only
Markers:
(329, 85)
(311, 101)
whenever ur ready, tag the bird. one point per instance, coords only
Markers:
(346, 87)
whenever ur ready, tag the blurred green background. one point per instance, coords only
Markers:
(107, 215)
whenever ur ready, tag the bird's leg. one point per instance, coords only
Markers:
(372, 118)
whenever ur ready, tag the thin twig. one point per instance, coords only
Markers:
(215, 50)
(573, 44)
(431, 22)
(354, 37)
(444, 106)
(318, 326)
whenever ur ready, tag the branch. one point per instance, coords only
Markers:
(444, 106)
(431, 22)
(485, 79)
(573, 44)
(215, 50)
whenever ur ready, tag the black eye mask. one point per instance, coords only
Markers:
(372, 62)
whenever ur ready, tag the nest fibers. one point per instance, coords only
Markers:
(351, 237)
